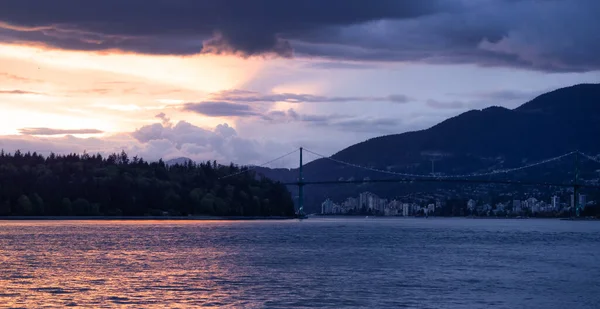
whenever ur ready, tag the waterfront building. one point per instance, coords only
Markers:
(555, 202)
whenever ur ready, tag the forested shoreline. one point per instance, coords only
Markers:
(117, 185)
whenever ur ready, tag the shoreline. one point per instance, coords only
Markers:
(259, 218)
(138, 218)
(464, 217)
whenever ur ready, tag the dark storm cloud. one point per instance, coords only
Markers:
(251, 96)
(510, 95)
(557, 35)
(343, 65)
(49, 131)
(18, 91)
(481, 103)
(220, 109)
(398, 98)
(445, 105)
(370, 125)
(18, 78)
(166, 121)
(343, 122)
(502, 95)
(346, 122)
(317, 119)
(181, 27)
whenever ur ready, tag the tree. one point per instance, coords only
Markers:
(81, 207)
(112, 159)
(206, 205)
(91, 185)
(5, 208)
(24, 206)
(220, 206)
(196, 199)
(123, 158)
(66, 207)
(172, 200)
(38, 204)
(94, 210)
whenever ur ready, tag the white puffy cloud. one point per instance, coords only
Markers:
(156, 141)
(187, 140)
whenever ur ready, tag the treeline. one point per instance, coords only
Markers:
(117, 185)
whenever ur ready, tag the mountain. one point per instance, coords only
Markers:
(180, 161)
(551, 124)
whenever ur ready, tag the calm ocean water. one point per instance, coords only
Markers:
(316, 263)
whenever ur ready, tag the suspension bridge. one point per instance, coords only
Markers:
(474, 178)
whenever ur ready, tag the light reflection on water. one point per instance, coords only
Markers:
(325, 263)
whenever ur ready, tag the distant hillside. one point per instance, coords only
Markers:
(552, 124)
(180, 161)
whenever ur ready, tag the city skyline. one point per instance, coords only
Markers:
(429, 205)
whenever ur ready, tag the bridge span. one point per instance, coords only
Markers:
(473, 178)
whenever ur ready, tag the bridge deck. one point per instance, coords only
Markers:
(443, 180)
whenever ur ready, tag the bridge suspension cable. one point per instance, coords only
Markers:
(257, 166)
(591, 158)
(503, 171)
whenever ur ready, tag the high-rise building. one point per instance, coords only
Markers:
(406, 209)
(351, 203)
(532, 202)
(500, 207)
(430, 208)
(555, 202)
(414, 208)
(390, 212)
(368, 200)
(486, 207)
(517, 206)
(382, 204)
(362, 199)
(327, 207)
(582, 200)
(393, 208)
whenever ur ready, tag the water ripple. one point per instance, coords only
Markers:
(311, 264)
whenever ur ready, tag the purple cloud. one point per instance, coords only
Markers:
(49, 131)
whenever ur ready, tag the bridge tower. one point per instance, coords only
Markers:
(576, 186)
(300, 188)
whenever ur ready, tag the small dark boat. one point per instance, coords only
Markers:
(301, 215)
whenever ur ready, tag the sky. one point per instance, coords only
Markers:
(246, 81)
